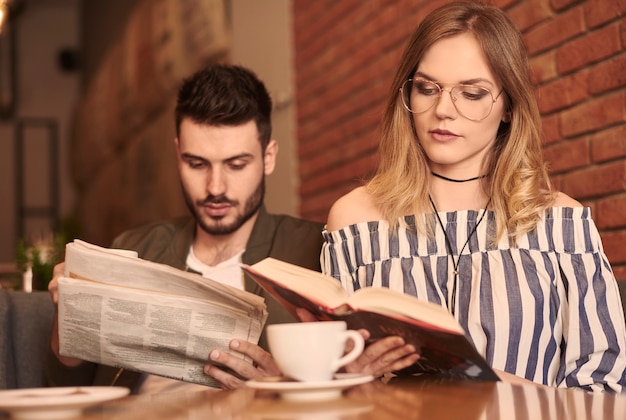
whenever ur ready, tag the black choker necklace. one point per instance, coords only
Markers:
(458, 180)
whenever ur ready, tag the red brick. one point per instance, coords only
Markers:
(318, 204)
(567, 155)
(529, 13)
(543, 67)
(338, 123)
(503, 4)
(561, 4)
(352, 170)
(344, 66)
(341, 150)
(608, 75)
(551, 129)
(337, 155)
(619, 271)
(557, 182)
(610, 212)
(553, 32)
(614, 244)
(594, 114)
(609, 144)
(308, 14)
(598, 12)
(595, 181)
(588, 49)
(563, 92)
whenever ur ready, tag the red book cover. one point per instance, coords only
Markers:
(443, 346)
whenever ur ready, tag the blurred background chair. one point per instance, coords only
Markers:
(25, 325)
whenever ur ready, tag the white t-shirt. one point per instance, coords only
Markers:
(227, 272)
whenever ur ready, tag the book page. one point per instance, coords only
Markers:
(321, 289)
(145, 331)
(327, 292)
(400, 305)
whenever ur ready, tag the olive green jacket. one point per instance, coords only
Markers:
(282, 237)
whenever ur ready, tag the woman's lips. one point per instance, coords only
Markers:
(443, 135)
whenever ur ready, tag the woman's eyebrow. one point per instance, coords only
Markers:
(462, 82)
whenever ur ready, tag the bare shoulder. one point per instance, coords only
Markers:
(564, 200)
(355, 207)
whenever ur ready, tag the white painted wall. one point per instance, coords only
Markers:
(44, 90)
(262, 41)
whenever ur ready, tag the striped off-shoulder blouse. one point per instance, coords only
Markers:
(546, 308)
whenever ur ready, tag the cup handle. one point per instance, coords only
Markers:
(359, 345)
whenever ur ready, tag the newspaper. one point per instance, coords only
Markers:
(119, 310)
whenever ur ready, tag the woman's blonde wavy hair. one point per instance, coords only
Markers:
(518, 181)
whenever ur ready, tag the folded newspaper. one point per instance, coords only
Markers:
(119, 310)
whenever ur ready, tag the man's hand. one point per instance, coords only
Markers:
(53, 288)
(263, 365)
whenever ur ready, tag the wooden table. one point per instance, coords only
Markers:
(408, 398)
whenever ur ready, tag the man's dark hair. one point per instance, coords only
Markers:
(225, 95)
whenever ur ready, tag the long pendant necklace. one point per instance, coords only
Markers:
(455, 264)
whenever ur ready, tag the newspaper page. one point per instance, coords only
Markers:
(119, 310)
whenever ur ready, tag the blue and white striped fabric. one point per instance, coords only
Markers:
(546, 309)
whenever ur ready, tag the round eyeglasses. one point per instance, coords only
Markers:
(473, 102)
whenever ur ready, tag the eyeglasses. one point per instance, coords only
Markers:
(472, 102)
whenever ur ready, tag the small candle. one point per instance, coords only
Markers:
(27, 280)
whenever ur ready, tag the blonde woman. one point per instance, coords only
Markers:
(461, 211)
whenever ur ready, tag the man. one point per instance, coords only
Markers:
(224, 147)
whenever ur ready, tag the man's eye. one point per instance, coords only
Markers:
(195, 164)
(237, 166)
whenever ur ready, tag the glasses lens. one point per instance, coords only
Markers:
(473, 102)
(419, 95)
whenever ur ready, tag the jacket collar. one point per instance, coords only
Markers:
(261, 238)
(258, 247)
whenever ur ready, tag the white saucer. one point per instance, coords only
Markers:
(55, 403)
(311, 391)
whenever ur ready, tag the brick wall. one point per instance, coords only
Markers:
(346, 53)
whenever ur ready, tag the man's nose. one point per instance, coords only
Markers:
(216, 182)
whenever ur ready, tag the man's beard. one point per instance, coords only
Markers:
(251, 207)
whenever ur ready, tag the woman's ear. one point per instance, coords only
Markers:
(506, 118)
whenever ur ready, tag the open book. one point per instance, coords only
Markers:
(439, 338)
(119, 310)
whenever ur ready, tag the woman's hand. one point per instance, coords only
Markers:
(383, 356)
(379, 357)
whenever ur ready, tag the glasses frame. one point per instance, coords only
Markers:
(404, 97)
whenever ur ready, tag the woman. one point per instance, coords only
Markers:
(461, 212)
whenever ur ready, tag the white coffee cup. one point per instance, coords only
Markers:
(312, 351)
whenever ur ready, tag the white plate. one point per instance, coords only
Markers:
(311, 391)
(55, 403)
